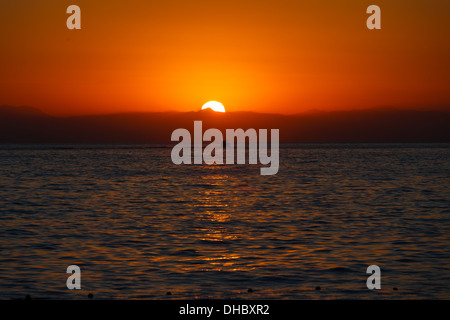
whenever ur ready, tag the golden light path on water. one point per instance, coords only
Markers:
(139, 226)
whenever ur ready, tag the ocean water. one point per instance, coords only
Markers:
(139, 226)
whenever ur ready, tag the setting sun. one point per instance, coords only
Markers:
(214, 105)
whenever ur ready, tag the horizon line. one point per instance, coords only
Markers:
(445, 109)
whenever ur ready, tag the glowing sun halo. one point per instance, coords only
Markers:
(214, 105)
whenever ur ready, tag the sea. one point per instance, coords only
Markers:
(140, 227)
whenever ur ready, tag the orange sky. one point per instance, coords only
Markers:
(265, 56)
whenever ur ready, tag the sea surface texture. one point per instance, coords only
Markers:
(139, 226)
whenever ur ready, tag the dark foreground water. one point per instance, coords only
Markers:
(139, 226)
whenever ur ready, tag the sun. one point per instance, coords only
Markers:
(214, 105)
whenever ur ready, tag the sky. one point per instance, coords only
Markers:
(265, 56)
